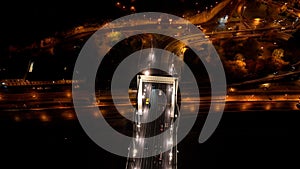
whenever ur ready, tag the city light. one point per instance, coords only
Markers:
(170, 142)
(256, 21)
(44, 118)
(68, 115)
(17, 118)
(244, 35)
(159, 20)
(132, 8)
(134, 152)
(147, 73)
(266, 85)
(232, 89)
(31, 67)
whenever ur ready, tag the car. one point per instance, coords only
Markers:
(161, 127)
(293, 68)
(160, 159)
(147, 101)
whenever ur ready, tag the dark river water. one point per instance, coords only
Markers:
(55, 139)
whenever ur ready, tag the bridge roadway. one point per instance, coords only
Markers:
(156, 111)
(140, 147)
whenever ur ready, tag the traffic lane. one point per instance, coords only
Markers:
(156, 108)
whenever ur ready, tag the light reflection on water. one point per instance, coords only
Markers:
(39, 115)
(68, 115)
(45, 118)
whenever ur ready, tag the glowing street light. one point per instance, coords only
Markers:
(232, 89)
(159, 20)
(134, 152)
(132, 8)
(147, 73)
(244, 8)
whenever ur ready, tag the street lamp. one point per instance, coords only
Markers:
(132, 8)
(170, 20)
(147, 72)
(159, 20)
(244, 8)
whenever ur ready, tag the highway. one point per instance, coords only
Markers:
(240, 101)
(24, 98)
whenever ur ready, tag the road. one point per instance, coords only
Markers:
(257, 99)
(157, 109)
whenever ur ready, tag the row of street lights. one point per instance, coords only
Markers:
(159, 20)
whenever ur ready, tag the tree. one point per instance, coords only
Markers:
(230, 48)
(277, 59)
(250, 49)
(278, 53)
(292, 51)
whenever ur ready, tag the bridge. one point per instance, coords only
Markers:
(157, 104)
(154, 132)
